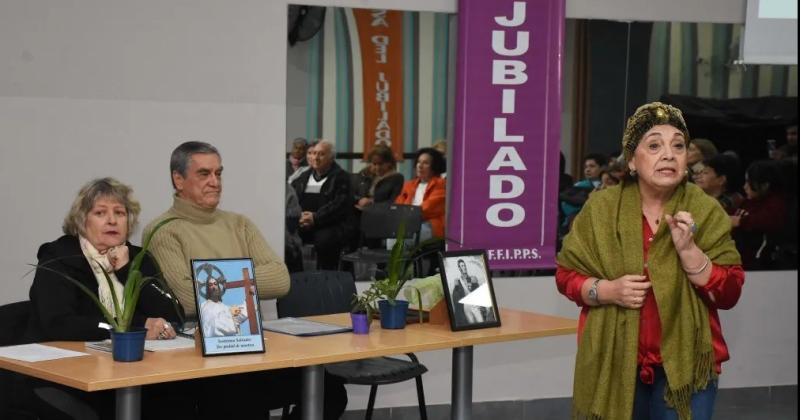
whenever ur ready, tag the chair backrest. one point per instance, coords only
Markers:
(317, 293)
(381, 221)
(14, 318)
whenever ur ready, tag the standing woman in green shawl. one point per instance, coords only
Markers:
(650, 261)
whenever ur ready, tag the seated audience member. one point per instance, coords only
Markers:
(761, 216)
(311, 151)
(96, 232)
(203, 231)
(292, 243)
(592, 165)
(616, 167)
(565, 182)
(360, 182)
(607, 179)
(789, 149)
(297, 156)
(325, 197)
(427, 190)
(564, 179)
(571, 200)
(718, 177)
(386, 183)
(699, 150)
(784, 255)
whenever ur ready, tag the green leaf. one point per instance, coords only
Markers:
(110, 284)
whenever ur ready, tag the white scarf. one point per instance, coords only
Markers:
(96, 261)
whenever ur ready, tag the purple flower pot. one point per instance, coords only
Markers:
(360, 323)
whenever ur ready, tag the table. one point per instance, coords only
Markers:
(99, 372)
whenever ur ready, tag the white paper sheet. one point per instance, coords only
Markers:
(37, 352)
(149, 345)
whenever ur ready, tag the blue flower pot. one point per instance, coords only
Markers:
(128, 346)
(360, 323)
(393, 317)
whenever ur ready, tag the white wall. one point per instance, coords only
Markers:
(108, 87)
(297, 77)
(96, 87)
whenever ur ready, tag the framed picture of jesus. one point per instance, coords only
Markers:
(229, 317)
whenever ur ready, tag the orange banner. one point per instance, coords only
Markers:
(380, 35)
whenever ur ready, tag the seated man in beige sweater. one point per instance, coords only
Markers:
(203, 231)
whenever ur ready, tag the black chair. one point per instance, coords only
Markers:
(328, 292)
(380, 222)
(14, 318)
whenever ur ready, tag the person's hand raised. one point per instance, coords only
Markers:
(682, 228)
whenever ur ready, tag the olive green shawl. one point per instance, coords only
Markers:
(605, 241)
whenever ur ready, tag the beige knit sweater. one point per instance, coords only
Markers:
(202, 233)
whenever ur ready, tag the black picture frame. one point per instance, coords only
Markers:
(240, 331)
(476, 278)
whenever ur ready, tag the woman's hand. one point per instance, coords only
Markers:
(159, 329)
(118, 256)
(736, 218)
(363, 202)
(682, 228)
(627, 291)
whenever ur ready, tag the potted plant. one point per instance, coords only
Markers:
(363, 307)
(398, 270)
(127, 343)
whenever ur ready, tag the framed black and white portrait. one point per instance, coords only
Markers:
(468, 290)
(229, 317)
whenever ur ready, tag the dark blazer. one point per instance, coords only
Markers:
(337, 209)
(387, 189)
(61, 311)
(458, 308)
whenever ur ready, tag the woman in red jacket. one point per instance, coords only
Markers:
(427, 190)
(650, 261)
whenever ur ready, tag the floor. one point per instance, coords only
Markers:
(763, 403)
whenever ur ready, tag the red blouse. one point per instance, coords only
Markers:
(724, 287)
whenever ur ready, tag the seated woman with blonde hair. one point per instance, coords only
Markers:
(96, 232)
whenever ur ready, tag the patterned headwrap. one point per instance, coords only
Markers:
(647, 116)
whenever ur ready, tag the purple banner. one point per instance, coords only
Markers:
(504, 180)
